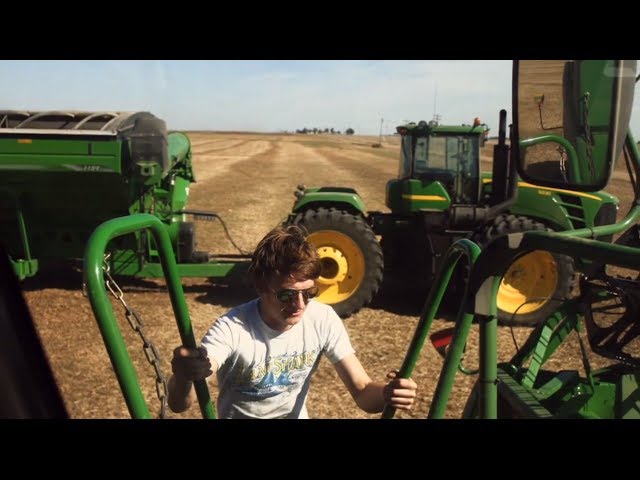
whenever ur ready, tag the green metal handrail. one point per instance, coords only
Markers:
(461, 248)
(103, 311)
(566, 144)
(490, 266)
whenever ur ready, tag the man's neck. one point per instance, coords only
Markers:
(271, 322)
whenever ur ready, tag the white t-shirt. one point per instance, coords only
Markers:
(265, 373)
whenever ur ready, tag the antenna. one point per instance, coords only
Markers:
(435, 100)
(436, 118)
(381, 123)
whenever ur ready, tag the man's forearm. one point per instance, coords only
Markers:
(181, 394)
(371, 399)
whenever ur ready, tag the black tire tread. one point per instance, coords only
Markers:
(509, 223)
(358, 230)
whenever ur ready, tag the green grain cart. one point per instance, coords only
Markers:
(63, 173)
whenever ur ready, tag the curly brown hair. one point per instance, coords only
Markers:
(283, 252)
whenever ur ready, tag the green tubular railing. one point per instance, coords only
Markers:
(485, 287)
(446, 379)
(566, 144)
(487, 314)
(494, 260)
(103, 311)
(461, 248)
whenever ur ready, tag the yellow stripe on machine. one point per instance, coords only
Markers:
(407, 196)
(545, 190)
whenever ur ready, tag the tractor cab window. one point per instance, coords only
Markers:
(452, 160)
(406, 156)
(422, 163)
(438, 153)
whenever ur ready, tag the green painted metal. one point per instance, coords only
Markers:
(543, 342)
(327, 196)
(557, 208)
(213, 269)
(65, 173)
(574, 170)
(103, 311)
(411, 196)
(452, 361)
(608, 253)
(128, 262)
(461, 248)
(628, 400)
(423, 128)
(488, 349)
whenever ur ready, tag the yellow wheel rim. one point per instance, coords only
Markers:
(529, 283)
(343, 265)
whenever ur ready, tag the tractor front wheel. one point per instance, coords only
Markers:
(350, 254)
(535, 284)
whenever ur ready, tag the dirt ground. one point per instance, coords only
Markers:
(249, 180)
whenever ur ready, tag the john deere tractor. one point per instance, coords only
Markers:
(441, 195)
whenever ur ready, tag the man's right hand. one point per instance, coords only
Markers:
(191, 364)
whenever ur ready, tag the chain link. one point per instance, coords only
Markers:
(587, 133)
(150, 351)
(563, 164)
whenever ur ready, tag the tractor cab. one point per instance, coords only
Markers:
(439, 166)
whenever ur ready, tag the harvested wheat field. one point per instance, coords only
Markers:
(249, 180)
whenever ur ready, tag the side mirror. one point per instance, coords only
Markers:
(570, 120)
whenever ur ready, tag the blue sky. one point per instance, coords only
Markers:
(269, 96)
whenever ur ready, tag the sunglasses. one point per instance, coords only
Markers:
(288, 295)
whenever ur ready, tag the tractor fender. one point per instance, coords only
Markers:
(346, 199)
(560, 209)
(557, 208)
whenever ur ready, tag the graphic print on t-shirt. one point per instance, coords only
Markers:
(278, 374)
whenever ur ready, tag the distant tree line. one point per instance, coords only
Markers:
(331, 131)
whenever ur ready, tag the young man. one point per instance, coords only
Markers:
(265, 351)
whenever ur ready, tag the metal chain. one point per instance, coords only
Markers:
(587, 133)
(150, 351)
(563, 164)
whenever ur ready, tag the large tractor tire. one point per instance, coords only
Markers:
(535, 284)
(351, 258)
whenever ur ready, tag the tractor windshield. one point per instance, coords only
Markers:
(456, 154)
(451, 158)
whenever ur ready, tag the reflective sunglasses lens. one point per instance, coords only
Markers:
(288, 295)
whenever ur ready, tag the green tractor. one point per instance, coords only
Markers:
(442, 195)
(64, 173)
